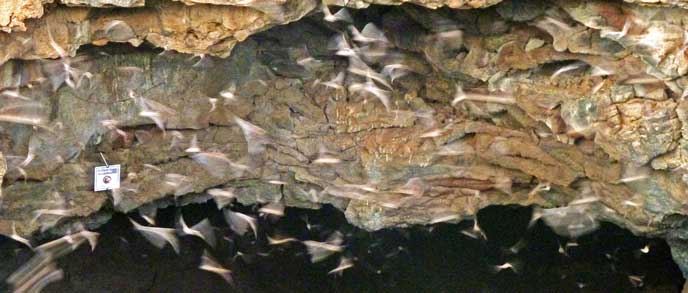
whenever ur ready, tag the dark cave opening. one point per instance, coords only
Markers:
(437, 258)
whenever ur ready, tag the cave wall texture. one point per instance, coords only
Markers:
(576, 107)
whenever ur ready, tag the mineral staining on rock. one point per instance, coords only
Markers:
(13, 13)
(198, 29)
(574, 105)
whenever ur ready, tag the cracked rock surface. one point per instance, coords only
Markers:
(577, 107)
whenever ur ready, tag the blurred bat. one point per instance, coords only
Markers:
(273, 208)
(370, 88)
(514, 266)
(208, 263)
(567, 68)
(322, 250)
(335, 83)
(256, 137)
(344, 264)
(217, 164)
(148, 213)
(241, 223)
(370, 34)
(341, 15)
(193, 146)
(159, 237)
(119, 31)
(446, 218)
(326, 157)
(464, 96)
(202, 229)
(228, 94)
(280, 241)
(360, 68)
(222, 197)
(18, 238)
(394, 71)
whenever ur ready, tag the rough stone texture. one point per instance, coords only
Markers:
(660, 43)
(13, 13)
(677, 3)
(198, 29)
(612, 128)
(221, 24)
(300, 117)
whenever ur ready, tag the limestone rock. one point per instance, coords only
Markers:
(521, 10)
(658, 42)
(438, 114)
(67, 190)
(13, 13)
(621, 140)
(198, 29)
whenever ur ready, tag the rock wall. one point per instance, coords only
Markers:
(577, 107)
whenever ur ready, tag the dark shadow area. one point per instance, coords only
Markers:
(435, 258)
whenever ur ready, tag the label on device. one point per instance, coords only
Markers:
(106, 178)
